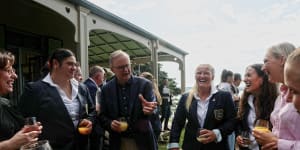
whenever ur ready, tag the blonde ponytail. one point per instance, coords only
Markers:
(190, 97)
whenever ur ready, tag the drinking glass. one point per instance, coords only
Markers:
(246, 138)
(262, 125)
(31, 124)
(39, 145)
(123, 124)
(30, 121)
(199, 137)
(83, 130)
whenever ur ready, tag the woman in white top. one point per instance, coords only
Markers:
(257, 102)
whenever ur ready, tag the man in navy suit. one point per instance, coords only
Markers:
(132, 98)
(96, 78)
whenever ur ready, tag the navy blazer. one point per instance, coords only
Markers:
(220, 115)
(139, 123)
(44, 102)
(91, 85)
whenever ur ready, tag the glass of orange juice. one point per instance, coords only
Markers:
(123, 124)
(83, 130)
(262, 125)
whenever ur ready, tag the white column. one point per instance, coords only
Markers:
(182, 70)
(154, 58)
(83, 36)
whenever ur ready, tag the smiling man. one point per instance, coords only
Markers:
(132, 99)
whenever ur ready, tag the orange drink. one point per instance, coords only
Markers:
(261, 129)
(262, 125)
(83, 130)
(123, 126)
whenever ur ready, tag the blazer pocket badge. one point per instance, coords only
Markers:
(219, 113)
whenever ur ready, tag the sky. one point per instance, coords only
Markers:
(228, 34)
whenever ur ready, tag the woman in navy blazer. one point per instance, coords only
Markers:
(203, 107)
(60, 103)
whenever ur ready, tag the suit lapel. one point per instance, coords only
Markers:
(59, 103)
(132, 98)
(82, 103)
(113, 95)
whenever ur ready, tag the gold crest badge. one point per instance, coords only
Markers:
(219, 114)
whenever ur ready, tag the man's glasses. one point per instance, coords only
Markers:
(123, 67)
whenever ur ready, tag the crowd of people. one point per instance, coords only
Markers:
(129, 112)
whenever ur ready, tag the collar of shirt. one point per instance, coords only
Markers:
(251, 101)
(74, 85)
(213, 90)
(128, 83)
(283, 88)
(94, 82)
(202, 106)
(283, 93)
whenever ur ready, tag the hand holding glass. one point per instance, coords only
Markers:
(84, 127)
(246, 138)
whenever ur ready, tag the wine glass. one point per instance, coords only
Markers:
(39, 145)
(262, 125)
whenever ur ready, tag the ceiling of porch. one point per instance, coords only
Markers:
(103, 42)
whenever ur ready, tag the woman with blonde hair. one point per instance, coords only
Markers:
(288, 137)
(209, 113)
(155, 122)
(274, 63)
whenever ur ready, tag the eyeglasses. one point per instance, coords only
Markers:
(123, 67)
(9, 70)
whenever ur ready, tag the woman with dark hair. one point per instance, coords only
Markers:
(257, 102)
(61, 103)
(226, 81)
(227, 85)
(13, 133)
